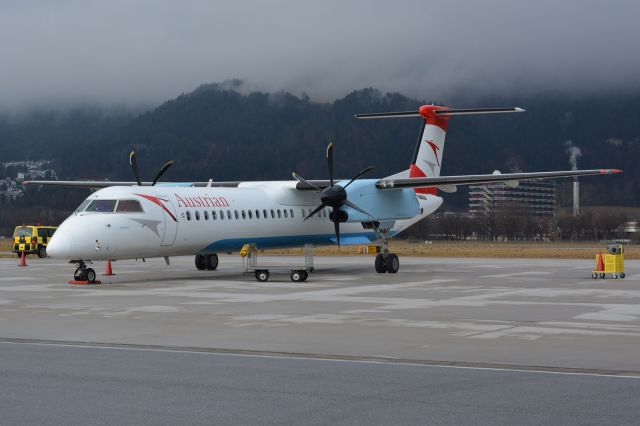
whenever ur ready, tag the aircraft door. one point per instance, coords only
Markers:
(170, 221)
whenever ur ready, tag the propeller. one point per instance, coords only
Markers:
(136, 172)
(134, 166)
(334, 196)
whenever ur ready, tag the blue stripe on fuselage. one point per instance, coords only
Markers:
(235, 244)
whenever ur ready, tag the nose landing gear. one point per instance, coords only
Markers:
(83, 275)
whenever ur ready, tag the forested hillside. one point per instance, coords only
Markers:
(225, 135)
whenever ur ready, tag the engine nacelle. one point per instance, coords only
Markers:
(342, 216)
(382, 204)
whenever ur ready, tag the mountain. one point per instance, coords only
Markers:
(214, 132)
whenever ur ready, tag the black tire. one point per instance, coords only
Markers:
(78, 275)
(42, 252)
(622, 275)
(200, 265)
(262, 275)
(602, 275)
(594, 275)
(305, 275)
(90, 275)
(211, 262)
(296, 276)
(392, 263)
(381, 266)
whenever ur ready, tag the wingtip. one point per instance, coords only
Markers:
(610, 171)
(518, 109)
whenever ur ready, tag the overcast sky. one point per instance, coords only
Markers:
(144, 52)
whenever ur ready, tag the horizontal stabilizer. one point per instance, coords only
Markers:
(441, 112)
(480, 179)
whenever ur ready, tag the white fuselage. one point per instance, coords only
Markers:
(159, 221)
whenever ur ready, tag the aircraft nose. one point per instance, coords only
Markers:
(60, 246)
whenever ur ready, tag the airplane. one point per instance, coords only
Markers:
(132, 220)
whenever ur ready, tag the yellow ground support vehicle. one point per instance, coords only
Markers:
(32, 239)
(610, 263)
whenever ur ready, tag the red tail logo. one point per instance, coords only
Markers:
(435, 149)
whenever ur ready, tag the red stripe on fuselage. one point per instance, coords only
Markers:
(157, 201)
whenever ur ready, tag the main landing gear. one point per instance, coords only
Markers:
(207, 261)
(385, 261)
(83, 275)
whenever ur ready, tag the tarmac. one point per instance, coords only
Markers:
(468, 321)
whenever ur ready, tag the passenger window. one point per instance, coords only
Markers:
(291, 213)
(235, 212)
(279, 214)
(101, 206)
(229, 214)
(206, 215)
(129, 206)
(197, 215)
(250, 214)
(285, 213)
(273, 215)
(188, 215)
(257, 214)
(244, 216)
(264, 213)
(213, 215)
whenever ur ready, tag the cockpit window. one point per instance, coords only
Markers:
(101, 206)
(129, 206)
(82, 206)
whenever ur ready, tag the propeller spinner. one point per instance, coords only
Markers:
(334, 196)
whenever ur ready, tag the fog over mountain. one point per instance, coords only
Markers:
(144, 52)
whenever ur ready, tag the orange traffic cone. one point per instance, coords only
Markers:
(600, 264)
(109, 271)
(23, 259)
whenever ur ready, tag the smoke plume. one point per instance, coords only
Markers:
(574, 153)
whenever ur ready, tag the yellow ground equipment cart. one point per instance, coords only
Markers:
(611, 263)
(32, 239)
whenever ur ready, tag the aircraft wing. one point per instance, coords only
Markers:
(479, 179)
(107, 183)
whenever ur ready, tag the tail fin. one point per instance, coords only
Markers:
(427, 156)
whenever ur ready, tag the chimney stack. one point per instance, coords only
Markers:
(576, 197)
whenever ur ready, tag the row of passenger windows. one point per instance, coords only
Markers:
(249, 214)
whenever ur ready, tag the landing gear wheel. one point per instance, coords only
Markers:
(80, 275)
(602, 275)
(614, 276)
(200, 265)
(297, 276)
(622, 275)
(381, 266)
(594, 275)
(211, 262)
(90, 275)
(262, 275)
(42, 253)
(392, 263)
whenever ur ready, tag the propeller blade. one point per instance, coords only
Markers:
(303, 180)
(134, 166)
(353, 206)
(163, 169)
(320, 207)
(330, 161)
(336, 228)
(363, 171)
